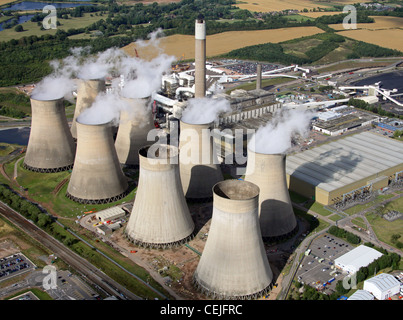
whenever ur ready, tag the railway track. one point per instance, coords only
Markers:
(87, 269)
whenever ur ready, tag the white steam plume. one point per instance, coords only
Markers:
(204, 110)
(106, 108)
(143, 78)
(275, 136)
(54, 87)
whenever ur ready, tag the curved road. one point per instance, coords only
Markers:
(78, 263)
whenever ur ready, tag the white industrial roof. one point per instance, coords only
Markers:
(110, 212)
(358, 257)
(361, 295)
(347, 160)
(383, 281)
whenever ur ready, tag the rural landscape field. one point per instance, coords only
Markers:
(217, 44)
(275, 5)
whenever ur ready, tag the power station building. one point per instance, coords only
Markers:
(341, 170)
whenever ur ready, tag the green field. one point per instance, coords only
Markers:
(32, 28)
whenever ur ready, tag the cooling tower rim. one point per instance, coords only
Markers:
(205, 124)
(143, 153)
(101, 79)
(255, 190)
(94, 124)
(146, 97)
(32, 97)
(284, 154)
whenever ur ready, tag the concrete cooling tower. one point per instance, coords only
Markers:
(134, 127)
(200, 58)
(234, 264)
(50, 147)
(86, 93)
(198, 163)
(97, 176)
(160, 217)
(277, 219)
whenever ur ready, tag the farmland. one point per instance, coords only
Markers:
(221, 43)
(275, 5)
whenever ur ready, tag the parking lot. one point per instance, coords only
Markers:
(14, 265)
(317, 268)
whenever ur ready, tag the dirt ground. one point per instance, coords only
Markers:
(8, 247)
(186, 260)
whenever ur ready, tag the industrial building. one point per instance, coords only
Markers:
(359, 257)
(361, 295)
(382, 286)
(110, 214)
(339, 171)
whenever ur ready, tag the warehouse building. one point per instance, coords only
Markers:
(345, 169)
(382, 286)
(359, 257)
(361, 295)
(110, 214)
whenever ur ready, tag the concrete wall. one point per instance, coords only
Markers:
(50, 146)
(97, 176)
(160, 216)
(234, 261)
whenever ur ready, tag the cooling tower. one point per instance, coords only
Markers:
(134, 127)
(234, 264)
(267, 171)
(50, 147)
(86, 93)
(258, 77)
(160, 217)
(198, 163)
(97, 176)
(200, 58)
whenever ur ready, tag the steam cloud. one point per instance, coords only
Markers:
(141, 79)
(275, 136)
(204, 110)
(106, 108)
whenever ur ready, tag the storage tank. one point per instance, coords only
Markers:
(233, 264)
(50, 146)
(198, 163)
(97, 176)
(277, 218)
(134, 126)
(87, 90)
(160, 217)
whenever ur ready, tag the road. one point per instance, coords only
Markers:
(342, 223)
(81, 265)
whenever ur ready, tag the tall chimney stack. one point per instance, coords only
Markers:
(259, 77)
(200, 58)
